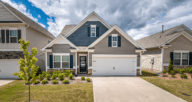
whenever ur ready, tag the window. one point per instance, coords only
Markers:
(61, 61)
(13, 36)
(114, 40)
(93, 30)
(181, 58)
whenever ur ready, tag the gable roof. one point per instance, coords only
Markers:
(121, 32)
(159, 39)
(26, 20)
(86, 19)
(68, 28)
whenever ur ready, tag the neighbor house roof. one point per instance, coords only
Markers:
(68, 28)
(27, 20)
(158, 39)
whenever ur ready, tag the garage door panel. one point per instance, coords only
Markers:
(8, 67)
(114, 66)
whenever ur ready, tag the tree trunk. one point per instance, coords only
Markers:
(29, 92)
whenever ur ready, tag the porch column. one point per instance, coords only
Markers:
(162, 53)
(140, 63)
(76, 62)
(46, 61)
(88, 60)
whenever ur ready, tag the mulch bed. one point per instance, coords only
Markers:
(74, 81)
(177, 76)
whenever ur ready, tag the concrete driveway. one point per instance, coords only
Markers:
(129, 89)
(5, 81)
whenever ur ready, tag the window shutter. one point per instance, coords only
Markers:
(119, 41)
(88, 31)
(51, 61)
(3, 36)
(190, 58)
(109, 41)
(19, 35)
(71, 61)
(97, 31)
(171, 56)
(7, 36)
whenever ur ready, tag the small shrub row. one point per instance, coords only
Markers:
(83, 78)
(183, 76)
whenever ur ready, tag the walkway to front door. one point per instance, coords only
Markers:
(129, 89)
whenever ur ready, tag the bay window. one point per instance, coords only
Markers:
(61, 61)
(181, 58)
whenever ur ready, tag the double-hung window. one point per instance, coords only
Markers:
(13, 36)
(93, 30)
(61, 61)
(114, 40)
(181, 58)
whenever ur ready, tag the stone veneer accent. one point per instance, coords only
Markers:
(175, 67)
(89, 71)
(11, 54)
(62, 70)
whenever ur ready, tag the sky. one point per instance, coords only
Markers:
(139, 18)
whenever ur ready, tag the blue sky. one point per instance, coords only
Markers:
(139, 18)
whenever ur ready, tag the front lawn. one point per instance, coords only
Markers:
(180, 88)
(17, 92)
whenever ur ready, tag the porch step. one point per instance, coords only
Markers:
(83, 73)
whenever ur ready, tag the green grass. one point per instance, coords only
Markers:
(17, 92)
(176, 87)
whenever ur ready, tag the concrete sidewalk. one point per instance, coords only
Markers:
(129, 89)
(5, 81)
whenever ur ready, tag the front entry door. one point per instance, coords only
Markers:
(83, 64)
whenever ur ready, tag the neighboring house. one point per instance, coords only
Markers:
(13, 26)
(174, 44)
(94, 47)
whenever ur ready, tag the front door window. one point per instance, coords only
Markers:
(83, 64)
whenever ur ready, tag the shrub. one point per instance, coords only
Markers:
(67, 72)
(44, 82)
(54, 81)
(70, 76)
(172, 73)
(44, 73)
(184, 76)
(41, 77)
(36, 82)
(57, 72)
(164, 71)
(61, 76)
(27, 83)
(65, 81)
(54, 76)
(48, 76)
(188, 70)
(182, 70)
(178, 70)
(170, 68)
(88, 79)
(82, 78)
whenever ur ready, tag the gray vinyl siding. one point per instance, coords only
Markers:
(61, 48)
(180, 43)
(146, 59)
(79, 36)
(6, 15)
(127, 48)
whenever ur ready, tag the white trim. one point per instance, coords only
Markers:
(10, 49)
(89, 50)
(114, 35)
(61, 53)
(162, 53)
(105, 55)
(140, 62)
(93, 26)
(76, 63)
(46, 61)
(121, 32)
(84, 21)
(11, 12)
(82, 54)
(87, 60)
(187, 51)
(53, 42)
(13, 28)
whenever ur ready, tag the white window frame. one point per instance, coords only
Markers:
(181, 62)
(61, 54)
(93, 26)
(13, 36)
(114, 35)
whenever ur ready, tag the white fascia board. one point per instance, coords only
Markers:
(184, 33)
(84, 21)
(121, 32)
(12, 12)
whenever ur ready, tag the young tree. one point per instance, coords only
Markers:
(28, 69)
(170, 68)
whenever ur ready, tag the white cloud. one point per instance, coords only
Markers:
(39, 16)
(22, 8)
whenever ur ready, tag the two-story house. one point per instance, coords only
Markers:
(13, 26)
(94, 47)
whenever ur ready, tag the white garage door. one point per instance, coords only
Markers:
(114, 64)
(8, 67)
